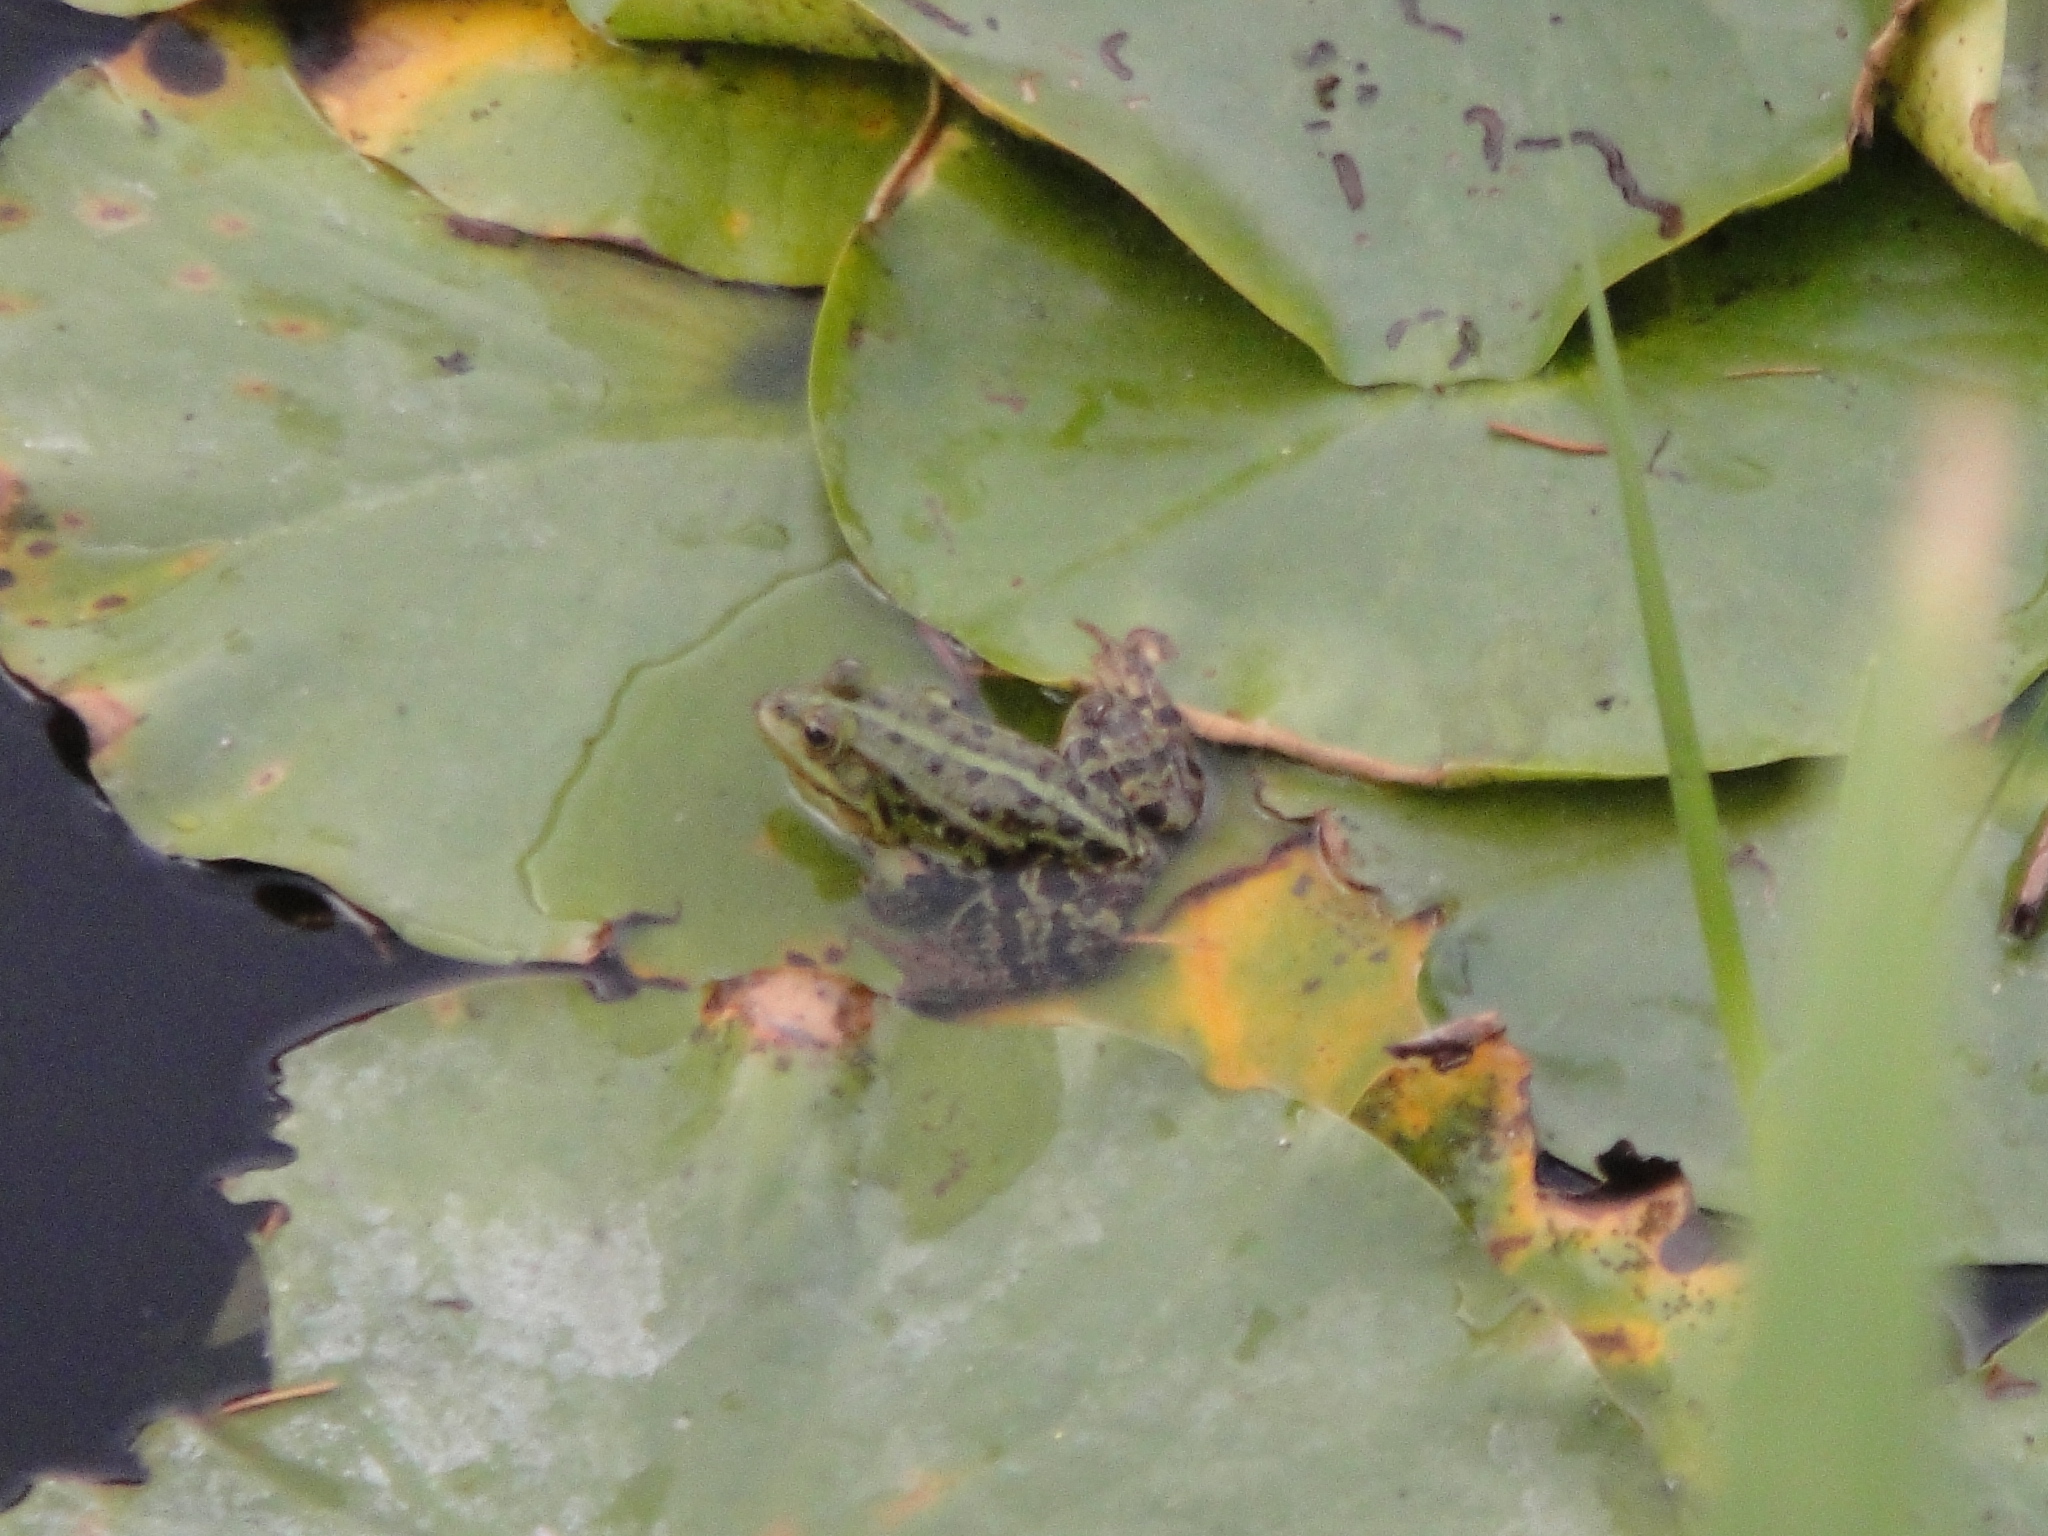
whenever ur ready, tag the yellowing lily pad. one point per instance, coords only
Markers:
(1273, 975)
(341, 526)
(737, 163)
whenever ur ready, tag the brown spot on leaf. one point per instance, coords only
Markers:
(106, 718)
(455, 363)
(1348, 180)
(232, 225)
(41, 549)
(2002, 1385)
(268, 777)
(107, 602)
(1670, 217)
(296, 328)
(12, 304)
(484, 231)
(1109, 49)
(13, 214)
(261, 391)
(181, 58)
(7, 578)
(931, 12)
(197, 277)
(1450, 1045)
(109, 215)
(1493, 134)
(794, 1008)
(1468, 344)
(1984, 130)
(1411, 12)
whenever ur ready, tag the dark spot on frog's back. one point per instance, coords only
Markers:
(182, 59)
(772, 370)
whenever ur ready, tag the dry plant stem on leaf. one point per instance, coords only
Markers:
(1863, 100)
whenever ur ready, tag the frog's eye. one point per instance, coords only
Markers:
(816, 736)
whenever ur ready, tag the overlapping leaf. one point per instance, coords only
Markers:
(1569, 910)
(820, 26)
(998, 1280)
(1410, 187)
(343, 529)
(736, 162)
(1034, 406)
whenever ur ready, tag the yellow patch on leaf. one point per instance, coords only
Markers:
(1629, 1265)
(405, 54)
(1278, 975)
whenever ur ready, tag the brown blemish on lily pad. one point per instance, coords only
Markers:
(12, 304)
(13, 214)
(197, 277)
(108, 602)
(106, 718)
(182, 59)
(793, 1008)
(232, 225)
(268, 777)
(109, 215)
(296, 328)
(261, 391)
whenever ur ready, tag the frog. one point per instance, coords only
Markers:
(1005, 866)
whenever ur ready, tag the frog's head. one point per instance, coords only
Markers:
(813, 730)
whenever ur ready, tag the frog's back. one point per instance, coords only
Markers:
(962, 781)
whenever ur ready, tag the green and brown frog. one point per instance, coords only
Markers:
(1011, 866)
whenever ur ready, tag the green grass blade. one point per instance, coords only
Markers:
(1692, 792)
(1828, 1426)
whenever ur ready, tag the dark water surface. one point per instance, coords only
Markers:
(143, 1002)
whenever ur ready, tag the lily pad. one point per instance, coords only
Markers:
(736, 162)
(342, 529)
(1035, 406)
(681, 813)
(819, 26)
(557, 1288)
(1951, 83)
(1409, 187)
(1569, 910)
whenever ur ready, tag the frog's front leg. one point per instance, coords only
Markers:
(1127, 739)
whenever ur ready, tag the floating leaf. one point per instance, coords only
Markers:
(1276, 975)
(1568, 909)
(1034, 406)
(1630, 1266)
(820, 26)
(737, 163)
(715, 846)
(1951, 83)
(1409, 187)
(990, 1280)
(344, 530)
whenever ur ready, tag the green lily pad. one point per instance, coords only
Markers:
(679, 811)
(563, 1289)
(1035, 406)
(736, 162)
(344, 530)
(2000, 1419)
(1569, 910)
(818, 26)
(1409, 187)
